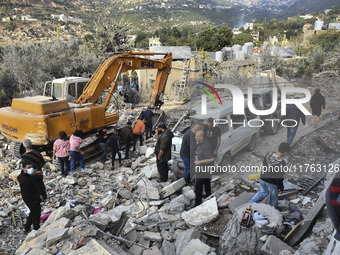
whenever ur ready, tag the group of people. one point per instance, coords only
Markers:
(68, 152)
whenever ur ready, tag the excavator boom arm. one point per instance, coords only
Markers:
(108, 72)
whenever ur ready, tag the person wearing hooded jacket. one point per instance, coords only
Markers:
(271, 178)
(31, 194)
(317, 102)
(163, 151)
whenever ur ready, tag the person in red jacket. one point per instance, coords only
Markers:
(138, 131)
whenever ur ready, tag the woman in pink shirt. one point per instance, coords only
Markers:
(61, 150)
(76, 153)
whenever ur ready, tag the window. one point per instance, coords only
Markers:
(47, 91)
(58, 90)
(267, 101)
(80, 88)
(72, 89)
(237, 121)
(224, 128)
(249, 114)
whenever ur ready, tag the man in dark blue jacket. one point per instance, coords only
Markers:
(148, 114)
(188, 150)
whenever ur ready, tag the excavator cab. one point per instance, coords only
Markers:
(69, 88)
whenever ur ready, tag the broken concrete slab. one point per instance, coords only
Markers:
(14, 175)
(242, 199)
(236, 240)
(172, 188)
(146, 186)
(154, 250)
(183, 238)
(93, 247)
(196, 245)
(204, 213)
(136, 163)
(168, 248)
(36, 251)
(273, 246)
(101, 220)
(55, 235)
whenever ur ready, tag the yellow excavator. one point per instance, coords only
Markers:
(41, 118)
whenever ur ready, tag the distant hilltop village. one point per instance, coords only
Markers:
(60, 17)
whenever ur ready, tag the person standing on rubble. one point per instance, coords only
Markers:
(163, 151)
(102, 137)
(61, 150)
(317, 102)
(213, 135)
(205, 159)
(126, 135)
(271, 178)
(31, 194)
(188, 150)
(75, 151)
(148, 114)
(292, 117)
(38, 161)
(138, 131)
(114, 144)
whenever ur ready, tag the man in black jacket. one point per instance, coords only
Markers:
(271, 179)
(148, 114)
(163, 151)
(31, 194)
(102, 138)
(294, 114)
(114, 144)
(127, 137)
(317, 102)
(38, 161)
(205, 159)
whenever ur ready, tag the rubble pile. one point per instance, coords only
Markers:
(113, 211)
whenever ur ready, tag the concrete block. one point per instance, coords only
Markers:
(153, 236)
(172, 188)
(36, 251)
(273, 246)
(196, 245)
(149, 152)
(55, 235)
(150, 171)
(101, 220)
(204, 213)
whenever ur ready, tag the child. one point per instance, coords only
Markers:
(76, 153)
(61, 150)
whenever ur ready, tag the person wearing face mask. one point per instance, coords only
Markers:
(163, 151)
(31, 194)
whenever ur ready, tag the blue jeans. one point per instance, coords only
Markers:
(265, 190)
(291, 132)
(186, 173)
(104, 149)
(76, 156)
(64, 165)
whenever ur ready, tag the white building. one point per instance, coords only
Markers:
(248, 25)
(27, 18)
(307, 16)
(65, 18)
(154, 42)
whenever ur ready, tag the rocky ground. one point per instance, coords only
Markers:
(137, 215)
